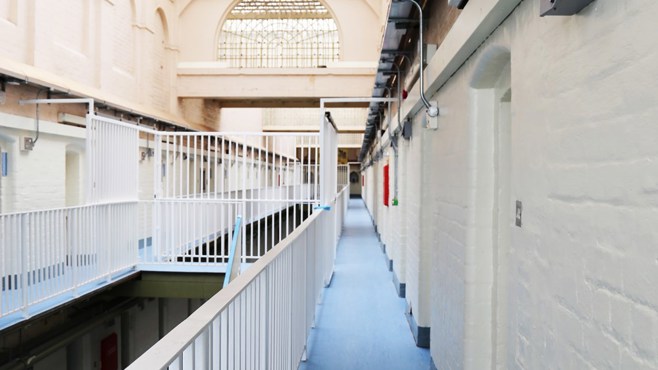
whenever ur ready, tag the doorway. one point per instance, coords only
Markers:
(492, 215)
(73, 187)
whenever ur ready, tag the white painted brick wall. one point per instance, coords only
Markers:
(13, 23)
(414, 200)
(103, 45)
(584, 266)
(400, 263)
(392, 214)
(63, 42)
(36, 179)
(119, 62)
(123, 37)
(380, 207)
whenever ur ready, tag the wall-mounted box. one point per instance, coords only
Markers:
(406, 129)
(562, 7)
(26, 143)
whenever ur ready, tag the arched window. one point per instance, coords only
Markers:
(279, 34)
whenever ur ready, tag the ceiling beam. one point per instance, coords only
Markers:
(282, 103)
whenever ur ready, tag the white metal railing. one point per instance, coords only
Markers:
(201, 183)
(189, 232)
(47, 253)
(215, 166)
(269, 174)
(112, 160)
(263, 318)
(343, 175)
(329, 174)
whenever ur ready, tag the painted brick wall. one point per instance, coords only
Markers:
(586, 266)
(401, 215)
(446, 180)
(11, 28)
(63, 44)
(37, 179)
(581, 272)
(583, 268)
(413, 200)
(117, 47)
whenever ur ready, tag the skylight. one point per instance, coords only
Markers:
(279, 34)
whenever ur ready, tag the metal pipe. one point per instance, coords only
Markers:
(433, 111)
(388, 105)
(399, 83)
(36, 115)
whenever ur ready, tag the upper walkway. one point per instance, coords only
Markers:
(361, 322)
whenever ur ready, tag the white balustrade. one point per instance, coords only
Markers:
(201, 183)
(46, 253)
(112, 160)
(263, 318)
(343, 175)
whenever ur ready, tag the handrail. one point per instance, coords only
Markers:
(160, 355)
(207, 326)
(230, 273)
(69, 208)
(49, 253)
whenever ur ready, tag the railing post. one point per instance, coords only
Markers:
(71, 241)
(268, 310)
(24, 264)
(243, 233)
(106, 237)
(156, 209)
(157, 166)
(90, 158)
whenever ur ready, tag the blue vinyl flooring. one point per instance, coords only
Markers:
(361, 322)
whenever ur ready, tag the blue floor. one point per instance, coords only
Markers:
(361, 322)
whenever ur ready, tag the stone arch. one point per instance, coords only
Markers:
(161, 15)
(161, 73)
